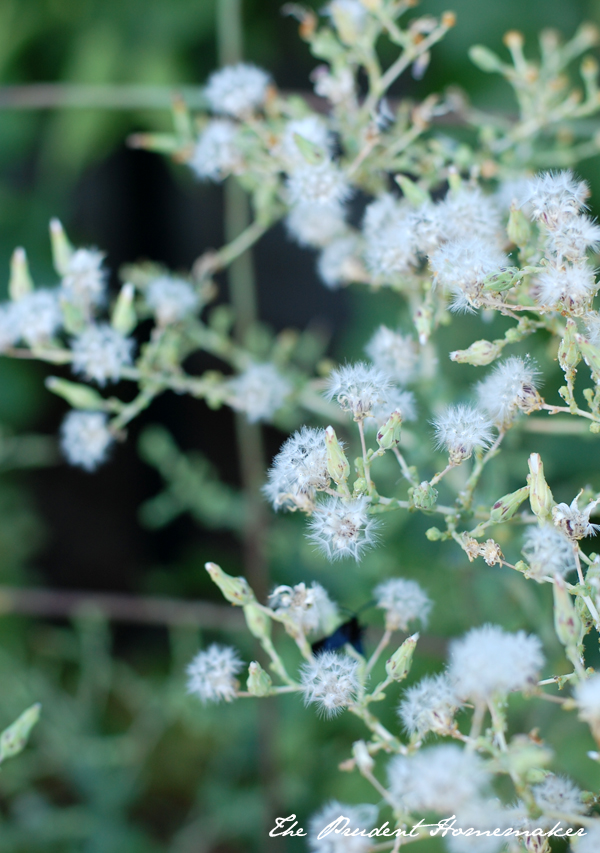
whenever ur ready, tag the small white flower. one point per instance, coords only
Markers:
(212, 673)
(357, 388)
(574, 522)
(316, 226)
(512, 385)
(313, 129)
(461, 429)
(489, 662)
(324, 185)
(394, 353)
(558, 794)
(237, 90)
(171, 299)
(38, 316)
(310, 608)
(259, 392)
(330, 681)
(100, 353)
(403, 601)
(356, 818)
(215, 154)
(343, 528)
(547, 551)
(337, 264)
(573, 287)
(555, 197)
(438, 778)
(298, 471)
(429, 706)
(84, 283)
(85, 439)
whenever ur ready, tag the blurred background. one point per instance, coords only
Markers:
(122, 759)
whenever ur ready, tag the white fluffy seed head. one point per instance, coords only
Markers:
(323, 185)
(216, 154)
(555, 197)
(85, 439)
(489, 662)
(574, 238)
(357, 388)
(587, 696)
(558, 794)
(84, 282)
(237, 90)
(212, 674)
(337, 264)
(171, 299)
(571, 287)
(307, 607)
(343, 528)
(510, 387)
(38, 316)
(462, 266)
(547, 551)
(361, 817)
(100, 353)
(316, 227)
(467, 213)
(429, 706)
(394, 353)
(298, 471)
(403, 601)
(483, 815)
(259, 392)
(330, 681)
(440, 779)
(396, 400)
(460, 430)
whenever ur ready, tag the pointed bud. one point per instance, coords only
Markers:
(519, 227)
(62, 250)
(414, 194)
(259, 624)
(540, 496)
(568, 625)
(506, 506)
(124, 318)
(14, 738)
(398, 666)
(259, 682)
(364, 760)
(20, 282)
(424, 496)
(434, 534)
(337, 464)
(78, 396)
(235, 590)
(568, 351)
(485, 59)
(479, 353)
(388, 435)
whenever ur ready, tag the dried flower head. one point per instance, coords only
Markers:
(343, 528)
(404, 601)
(85, 439)
(100, 353)
(237, 90)
(460, 429)
(574, 522)
(212, 673)
(330, 681)
(357, 388)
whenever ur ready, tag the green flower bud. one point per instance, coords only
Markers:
(524, 755)
(78, 396)
(519, 227)
(415, 195)
(501, 281)
(235, 590)
(540, 496)
(398, 666)
(312, 153)
(434, 534)
(568, 351)
(20, 282)
(506, 506)
(337, 464)
(74, 318)
(479, 353)
(568, 625)
(124, 318)
(361, 487)
(388, 435)
(257, 620)
(485, 59)
(14, 738)
(62, 250)
(259, 682)
(424, 496)
(591, 354)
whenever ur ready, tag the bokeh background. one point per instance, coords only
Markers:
(122, 759)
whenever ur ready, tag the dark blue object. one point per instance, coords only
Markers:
(350, 632)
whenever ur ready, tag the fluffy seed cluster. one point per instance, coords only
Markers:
(100, 353)
(439, 778)
(216, 154)
(403, 601)
(38, 317)
(547, 551)
(358, 818)
(393, 353)
(343, 528)
(389, 238)
(510, 387)
(308, 608)
(323, 184)
(237, 90)
(429, 706)
(396, 400)
(357, 388)
(489, 662)
(316, 227)
(462, 267)
(574, 522)
(85, 439)
(298, 471)
(171, 299)
(212, 673)
(558, 794)
(84, 282)
(330, 681)
(461, 429)
(338, 264)
(259, 392)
